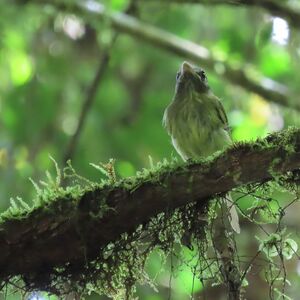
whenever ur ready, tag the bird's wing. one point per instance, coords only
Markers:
(221, 113)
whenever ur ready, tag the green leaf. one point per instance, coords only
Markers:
(270, 245)
(290, 248)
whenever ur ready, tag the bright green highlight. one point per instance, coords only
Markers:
(21, 67)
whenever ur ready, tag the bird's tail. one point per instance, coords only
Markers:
(233, 215)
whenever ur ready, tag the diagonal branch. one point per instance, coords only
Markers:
(267, 88)
(72, 230)
(270, 90)
(276, 8)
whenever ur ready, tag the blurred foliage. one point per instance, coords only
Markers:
(48, 59)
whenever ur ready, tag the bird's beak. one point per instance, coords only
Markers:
(186, 68)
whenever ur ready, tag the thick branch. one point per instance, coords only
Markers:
(277, 8)
(73, 230)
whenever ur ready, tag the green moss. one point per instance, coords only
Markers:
(120, 265)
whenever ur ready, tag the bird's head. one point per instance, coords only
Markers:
(190, 80)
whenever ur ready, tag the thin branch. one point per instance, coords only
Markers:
(73, 230)
(276, 8)
(89, 99)
(92, 90)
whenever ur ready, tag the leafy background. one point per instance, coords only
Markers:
(48, 58)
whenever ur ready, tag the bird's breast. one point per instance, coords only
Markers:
(195, 130)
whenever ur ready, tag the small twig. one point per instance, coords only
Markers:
(250, 263)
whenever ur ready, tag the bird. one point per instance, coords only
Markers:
(197, 122)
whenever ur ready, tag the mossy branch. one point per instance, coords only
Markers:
(70, 231)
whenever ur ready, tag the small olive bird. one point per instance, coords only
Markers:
(197, 122)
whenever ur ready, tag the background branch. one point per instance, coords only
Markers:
(276, 8)
(88, 100)
(267, 88)
(136, 87)
(92, 90)
(72, 230)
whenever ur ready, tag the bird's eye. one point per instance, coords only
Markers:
(202, 75)
(177, 75)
